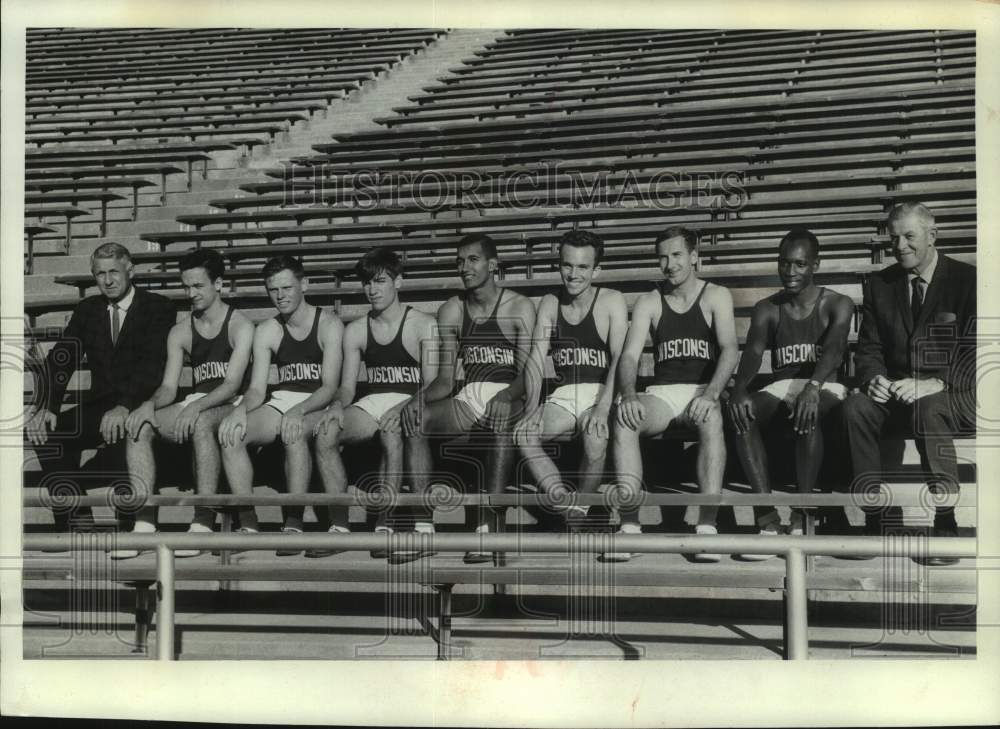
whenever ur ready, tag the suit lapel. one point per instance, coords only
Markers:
(938, 284)
(105, 324)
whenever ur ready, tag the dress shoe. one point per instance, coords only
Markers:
(939, 532)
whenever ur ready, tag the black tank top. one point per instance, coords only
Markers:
(486, 353)
(578, 353)
(795, 346)
(210, 357)
(390, 367)
(300, 364)
(685, 346)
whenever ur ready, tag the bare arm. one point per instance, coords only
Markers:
(449, 320)
(241, 335)
(628, 362)
(721, 306)
(834, 339)
(753, 353)
(265, 343)
(354, 336)
(617, 331)
(331, 333)
(524, 318)
(534, 370)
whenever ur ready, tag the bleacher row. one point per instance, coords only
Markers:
(737, 134)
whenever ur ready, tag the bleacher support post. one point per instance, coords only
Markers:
(165, 603)
(796, 617)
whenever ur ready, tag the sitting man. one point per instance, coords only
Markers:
(915, 316)
(304, 342)
(695, 352)
(805, 328)
(396, 344)
(584, 328)
(217, 339)
(122, 333)
(488, 329)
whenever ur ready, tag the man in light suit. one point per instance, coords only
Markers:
(916, 316)
(122, 332)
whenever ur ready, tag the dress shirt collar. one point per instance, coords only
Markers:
(125, 302)
(928, 273)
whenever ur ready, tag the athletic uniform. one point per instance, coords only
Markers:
(685, 353)
(300, 367)
(393, 373)
(488, 358)
(580, 359)
(795, 349)
(210, 361)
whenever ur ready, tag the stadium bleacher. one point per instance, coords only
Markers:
(737, 134)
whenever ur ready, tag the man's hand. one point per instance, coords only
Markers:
(700, 408)
(631, 412)
(805, 410)
(878, 389)
(113, 424)
(292, 426)
(333, 415)
(389, 422)
(909, 390)
(411, 415)
(137, 418)
(185, 422)
(39, 425)
(233, 427)
(741, 411)
(595, 421)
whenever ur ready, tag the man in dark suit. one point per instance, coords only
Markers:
(122, 333)
(917, 315)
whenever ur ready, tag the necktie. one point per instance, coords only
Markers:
(116, 323)
(916, 297)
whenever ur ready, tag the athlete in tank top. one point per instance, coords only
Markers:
(299, 363)
(210, 357)
(487, 354)
(685, 347)
(794, 343)
(579, 355)
(390, 367)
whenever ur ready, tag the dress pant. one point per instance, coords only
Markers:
(78, 429)
(933, 421)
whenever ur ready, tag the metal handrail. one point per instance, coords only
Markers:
(454, 498)
(793, 548)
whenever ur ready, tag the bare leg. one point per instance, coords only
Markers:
(262, 428)
(753, 455)
(711, 463)
(555, 422)
(627, 455)
(207, 460)
(142, 464)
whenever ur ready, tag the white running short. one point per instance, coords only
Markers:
(788, 390)
(285, 400)
(676, 397)
(576, 399)
(477, 395)
(378, 403)
(199, 395)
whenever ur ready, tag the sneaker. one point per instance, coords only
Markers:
(707, 557)
(195, 528)
(758, 557)
(621, 556)
(381, 553)
(402, 556)
(289, 552)
(319, 553)
(479, 557)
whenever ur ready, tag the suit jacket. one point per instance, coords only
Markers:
(125, 374)
(890, 343)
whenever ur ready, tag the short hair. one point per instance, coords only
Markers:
(912, 207)
(487, 244)
(283, 263)
(801, 235)
(582, 239)
(378, 260)
(111, 250)
(678, 231)
(207, 258)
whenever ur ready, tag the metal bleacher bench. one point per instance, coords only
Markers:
(567, 561)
